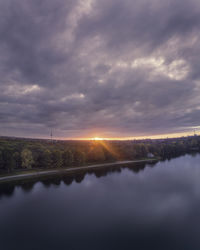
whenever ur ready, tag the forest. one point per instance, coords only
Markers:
(19, 153)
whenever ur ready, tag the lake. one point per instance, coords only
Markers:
(138, 206)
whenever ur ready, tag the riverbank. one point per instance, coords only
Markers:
(38, 174)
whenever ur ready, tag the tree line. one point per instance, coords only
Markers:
(45, 154)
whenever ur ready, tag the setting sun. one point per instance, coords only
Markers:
(97, 139)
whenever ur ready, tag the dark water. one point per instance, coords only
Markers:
(139, 207)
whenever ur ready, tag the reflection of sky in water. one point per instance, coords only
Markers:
(157, 208)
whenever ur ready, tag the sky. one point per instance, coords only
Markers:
(99, 68)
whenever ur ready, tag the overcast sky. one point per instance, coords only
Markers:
(107, 68)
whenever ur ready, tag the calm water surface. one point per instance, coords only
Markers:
(136, 207)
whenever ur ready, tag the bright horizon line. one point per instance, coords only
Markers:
(99, 138)
(164, 136)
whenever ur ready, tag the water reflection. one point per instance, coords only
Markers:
(27, 186)
(7, 189)
(138, 206)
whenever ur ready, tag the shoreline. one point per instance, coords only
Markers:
(45, 173)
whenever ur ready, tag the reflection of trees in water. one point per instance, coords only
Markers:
(136, 168)
(7, 190)
(68, 180)
(28, 185)
(79, 177)
(100, 173)
(56, 181)
(46, 182)
(169, 158)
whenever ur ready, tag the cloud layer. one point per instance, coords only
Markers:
(109, 68)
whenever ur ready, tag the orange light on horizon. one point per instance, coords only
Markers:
(97, 139)
(159, 136)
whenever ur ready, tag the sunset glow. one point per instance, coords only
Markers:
(97, 139)
(160, 136)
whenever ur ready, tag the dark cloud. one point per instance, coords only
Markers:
(87, 67)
